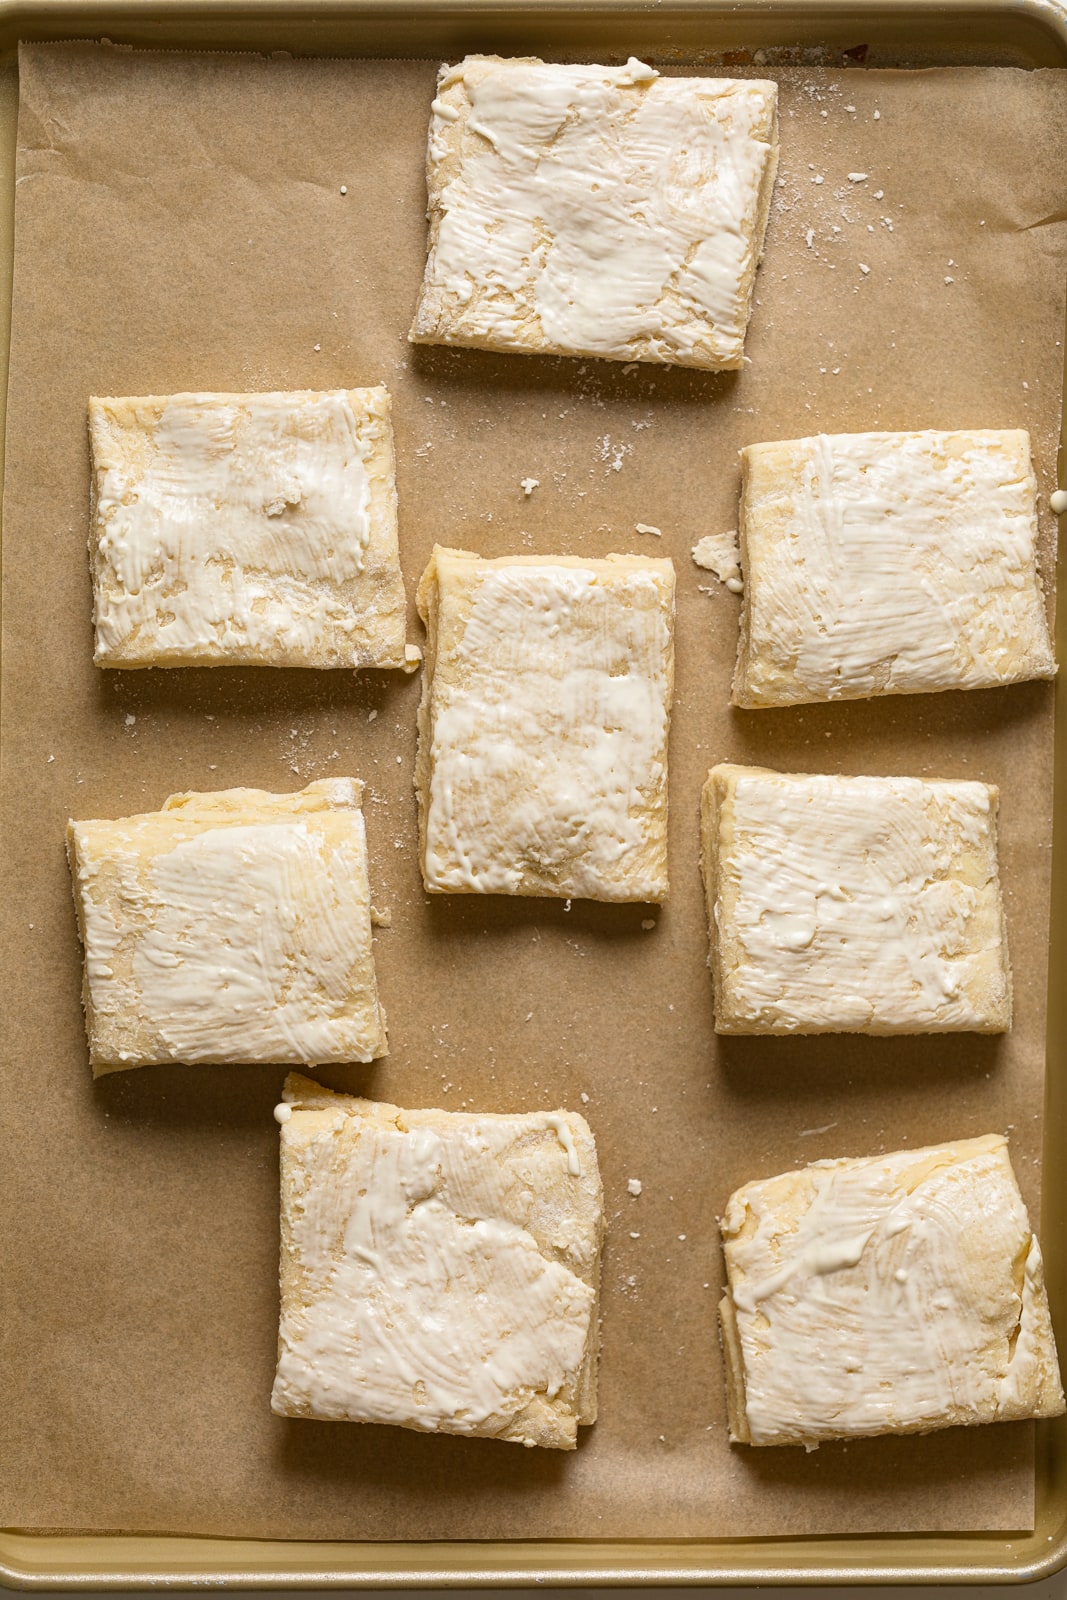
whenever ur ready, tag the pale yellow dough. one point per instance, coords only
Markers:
(596, 211)
(439, 1270)
(890, 1294)
(229, 927)
(542, 759)
(853, 905)
(888, 563)
(246, 529)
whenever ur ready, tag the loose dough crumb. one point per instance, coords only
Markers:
(647, 527)
(634, 1186)
(718, 553)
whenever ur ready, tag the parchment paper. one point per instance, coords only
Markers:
(180, 225)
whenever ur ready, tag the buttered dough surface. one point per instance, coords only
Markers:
(889, 563)
(596, 211)
(853, 905)
(255, 529)
(892, 1294)
(229, 927)
(542, 761)
(439, 1270)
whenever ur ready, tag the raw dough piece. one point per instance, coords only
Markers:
(255, 529)
(229, 927)
(439, 1270)
(893, 1294)
(888, 563)
(853, 905)
(596, 211)
(542, 762)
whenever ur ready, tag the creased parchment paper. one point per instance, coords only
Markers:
(181, 224)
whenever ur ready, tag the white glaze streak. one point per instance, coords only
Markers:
(562, 1131)
(889, 564)
(894, 1294)
(229, 927)
(246, 528)
(853, 904)
(596, 211)
(543, 730)
(439, 1270)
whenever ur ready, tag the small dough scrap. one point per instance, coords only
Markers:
(853, 905)
(719, 553)
(439, 1270)
(889, 563)
(246, 529)
(542, 760)
(229, 927)
(596, 211)
(888, 1294)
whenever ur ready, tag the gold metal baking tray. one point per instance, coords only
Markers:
(884, 33)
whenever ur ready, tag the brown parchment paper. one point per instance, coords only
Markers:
(180, 224)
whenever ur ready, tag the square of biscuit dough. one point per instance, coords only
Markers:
(888, 563)
(596, 211)
(890, 1294)
(245, 529)
(229, 927)
(439, 1270)
(853, 905)
(542, 759)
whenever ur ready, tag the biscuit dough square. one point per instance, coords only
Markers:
(889, 1294)
(229, 927)
(596, 211)
(246, 529)
(542, 760)
(853, 905)
(439, 1270)
(888, 563)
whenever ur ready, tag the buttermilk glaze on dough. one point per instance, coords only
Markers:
(542, 760)
(889, 563)
(255, 529)
(596, 211)
(853, 904)
(889, 1294)
(440, 1270)
(229, 927)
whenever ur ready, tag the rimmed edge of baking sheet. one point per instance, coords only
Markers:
(905, 32)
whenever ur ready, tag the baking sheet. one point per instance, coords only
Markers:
(180, 224)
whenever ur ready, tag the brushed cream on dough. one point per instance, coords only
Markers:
(440, 1270)
(888, 1294)
(229, 927)
(596, 211)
